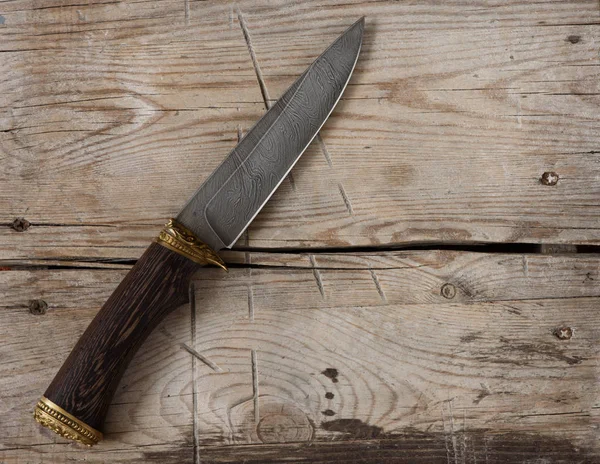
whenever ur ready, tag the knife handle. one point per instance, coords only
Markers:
(76, 402)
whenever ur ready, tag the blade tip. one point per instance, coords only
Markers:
(361, 22)
(358, 26)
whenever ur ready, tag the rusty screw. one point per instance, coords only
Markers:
(448, 291)
(549, 178)
(21, 224)
(564, 333)
(38, 307)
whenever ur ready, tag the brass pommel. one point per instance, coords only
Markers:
(181, 240)
(66, 425)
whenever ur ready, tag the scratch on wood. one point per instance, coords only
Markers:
(445, 435)
(259, 76)
(464, 438)
(290, 177)
(247, 257)
(317, 275)
(452, 433)
(327, 156)
(192, 298)
(485, 449)
(346, 199)
(519, 120)
(255, 387)
(483, 393)
(324, 149)
(250, 303)
(377, 284)
(201, 357)
(525, 266)
(187, 11)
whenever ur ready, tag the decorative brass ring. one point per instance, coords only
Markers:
(66, 425)
(181, 240)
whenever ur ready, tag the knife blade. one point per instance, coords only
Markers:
(227, 202)
(76, 402)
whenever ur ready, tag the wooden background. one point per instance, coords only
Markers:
(412, 292)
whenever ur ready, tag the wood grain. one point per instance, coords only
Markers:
(114, 113)
(378, 333)
(394, 367)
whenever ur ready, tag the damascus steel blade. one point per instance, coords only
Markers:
(230, 198)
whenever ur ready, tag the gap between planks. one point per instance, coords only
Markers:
(94, 263)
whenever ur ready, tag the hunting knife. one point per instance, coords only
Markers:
(76, 402)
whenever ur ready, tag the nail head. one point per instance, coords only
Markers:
(38, 307)
(21, 224)
(564, 333)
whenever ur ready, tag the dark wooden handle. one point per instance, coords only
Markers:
(86, 382)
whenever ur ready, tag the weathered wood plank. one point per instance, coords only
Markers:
(432, 341)
(411, 447)
(113, 113)
(365, 350)
(114, 98)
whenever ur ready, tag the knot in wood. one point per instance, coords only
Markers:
(282, 422)
(448, 291)
(271, 420)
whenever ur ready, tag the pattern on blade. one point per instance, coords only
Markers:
(237, 190)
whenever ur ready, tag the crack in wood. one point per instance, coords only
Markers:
(79, 263)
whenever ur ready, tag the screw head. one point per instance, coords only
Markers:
(549, 178)
(564, 333)
(448, 291)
